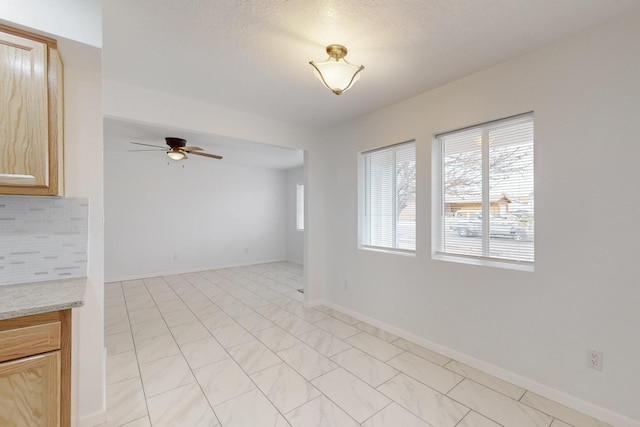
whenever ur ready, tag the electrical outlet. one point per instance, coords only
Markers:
(594, 359)
(346, 285)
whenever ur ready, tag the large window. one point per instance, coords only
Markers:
(388, 217)
(483, 186)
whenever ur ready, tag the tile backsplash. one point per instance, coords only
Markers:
(42, 238)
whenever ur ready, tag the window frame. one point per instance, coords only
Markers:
(365, 208)
(438, 202)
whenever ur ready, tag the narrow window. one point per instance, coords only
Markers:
(483, 179)
(300, 207)
(388, 217)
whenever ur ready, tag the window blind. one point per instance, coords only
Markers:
(487, 194)
(389, 197)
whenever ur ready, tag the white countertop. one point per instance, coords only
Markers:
(25, 299)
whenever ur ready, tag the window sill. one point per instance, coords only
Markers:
(404, 252)
(486, 262)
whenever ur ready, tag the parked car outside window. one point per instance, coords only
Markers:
(469, 223)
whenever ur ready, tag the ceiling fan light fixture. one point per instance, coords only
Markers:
(178, 149)
(176, 154)
(335, 72)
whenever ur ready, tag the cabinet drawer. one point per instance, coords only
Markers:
(29, 340)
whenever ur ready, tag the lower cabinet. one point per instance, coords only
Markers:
(30, 391)
(35, 370)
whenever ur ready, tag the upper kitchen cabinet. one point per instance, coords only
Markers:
(31, 139)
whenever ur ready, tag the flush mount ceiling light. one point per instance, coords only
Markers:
(336, 73)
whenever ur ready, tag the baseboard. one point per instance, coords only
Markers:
(294, 261)
(94, 419)
(543, 390)
(187, 270)
(317, 302)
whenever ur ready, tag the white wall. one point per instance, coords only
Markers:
(84, 178)
(295, 237)
(170, 217)
(79, 20)
(584, 293)
(137, 104)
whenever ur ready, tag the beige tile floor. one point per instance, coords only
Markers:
(237, 348)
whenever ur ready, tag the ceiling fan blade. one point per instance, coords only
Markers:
(189, 149)
(147, 145)
(146, 150)
(213, 156)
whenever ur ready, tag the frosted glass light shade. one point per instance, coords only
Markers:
(176, 155)
(336, 73)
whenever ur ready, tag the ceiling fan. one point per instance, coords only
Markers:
(178, 149)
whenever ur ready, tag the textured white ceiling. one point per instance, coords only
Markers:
(252, 55)
(118, 136)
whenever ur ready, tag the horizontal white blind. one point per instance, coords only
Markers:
(389, 211)
(487, 202)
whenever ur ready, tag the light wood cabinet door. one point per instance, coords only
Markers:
(30, 391)
(30, 115)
